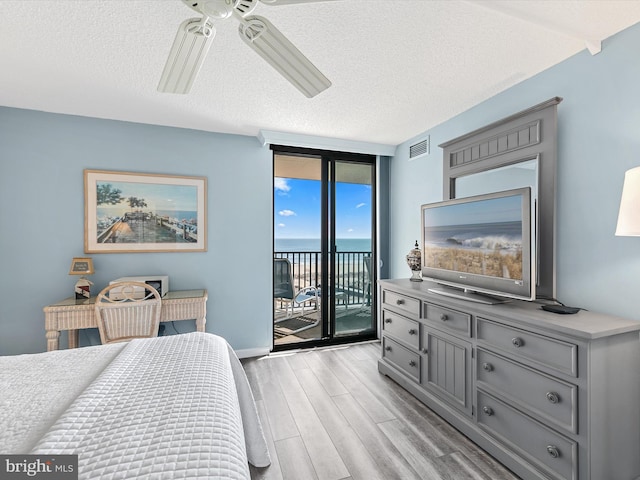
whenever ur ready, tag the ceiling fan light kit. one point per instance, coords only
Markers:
(195, 36)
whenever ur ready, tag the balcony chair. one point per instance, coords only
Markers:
(283, 288)
(127, 310)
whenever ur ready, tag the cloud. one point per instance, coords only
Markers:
(287, 213)
(350, 230)
(281, 225)
(281, 184)
(360, 205)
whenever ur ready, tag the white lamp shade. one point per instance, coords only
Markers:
(629, 215)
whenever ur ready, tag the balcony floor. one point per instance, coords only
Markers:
(349, 319)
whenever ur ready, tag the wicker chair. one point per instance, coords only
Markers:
(127, 310)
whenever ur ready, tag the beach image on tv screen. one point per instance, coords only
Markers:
(483, 237)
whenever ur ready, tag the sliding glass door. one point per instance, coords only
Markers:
(353, 201)
(323, 247)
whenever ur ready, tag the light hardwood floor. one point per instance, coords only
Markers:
(328, 414)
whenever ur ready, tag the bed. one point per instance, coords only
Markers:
(168, 407)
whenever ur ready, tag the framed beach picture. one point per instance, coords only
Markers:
(135, 212)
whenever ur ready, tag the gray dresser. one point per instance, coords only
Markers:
(548, 395)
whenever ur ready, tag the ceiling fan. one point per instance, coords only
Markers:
(195, 36)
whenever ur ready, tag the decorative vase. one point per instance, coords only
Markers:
(414, 260)
(83, 288)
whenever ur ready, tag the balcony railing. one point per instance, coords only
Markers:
(349, 272)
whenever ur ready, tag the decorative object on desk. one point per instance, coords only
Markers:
(629, 214)
(414, 260)
(82, 266)
(131, 212)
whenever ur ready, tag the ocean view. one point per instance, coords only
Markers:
(503, 236)
(313, 244)
(110, 211)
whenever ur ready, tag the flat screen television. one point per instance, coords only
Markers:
(480, 248)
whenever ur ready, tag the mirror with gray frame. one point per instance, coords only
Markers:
(514, 152)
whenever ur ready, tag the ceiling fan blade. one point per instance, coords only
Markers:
(291, 2)
(187, 55)
(281, 54)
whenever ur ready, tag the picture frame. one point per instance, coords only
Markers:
(129, 212)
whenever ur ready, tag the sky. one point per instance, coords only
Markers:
(158, 197)
(503, 209)
(297, 209)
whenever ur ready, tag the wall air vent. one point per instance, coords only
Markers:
(419, 149)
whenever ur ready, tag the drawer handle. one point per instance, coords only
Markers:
(553, 451)
(399, 302)
(412, 331)
(444, 317)
(517, 342)
(489, 368)
(412, 363)
(387, 320)
(488, 411)
(553, 397)
(388, 349)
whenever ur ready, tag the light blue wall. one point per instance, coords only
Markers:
(42, 157)
(599, 139)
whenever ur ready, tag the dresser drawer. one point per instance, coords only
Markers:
(545, 447)
(447, 319)
(544, 351)
(399, 302)
(548, 398)
(401, 328)
(401, 357)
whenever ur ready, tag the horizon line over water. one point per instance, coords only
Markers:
(313, 244)
(179, 214)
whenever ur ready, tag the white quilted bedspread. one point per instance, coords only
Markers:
(165, 408)
(36, 388)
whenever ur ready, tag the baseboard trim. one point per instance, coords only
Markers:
(253, 352)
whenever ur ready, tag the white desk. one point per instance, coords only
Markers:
(72, 315)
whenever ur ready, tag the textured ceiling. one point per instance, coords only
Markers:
(398, 67)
